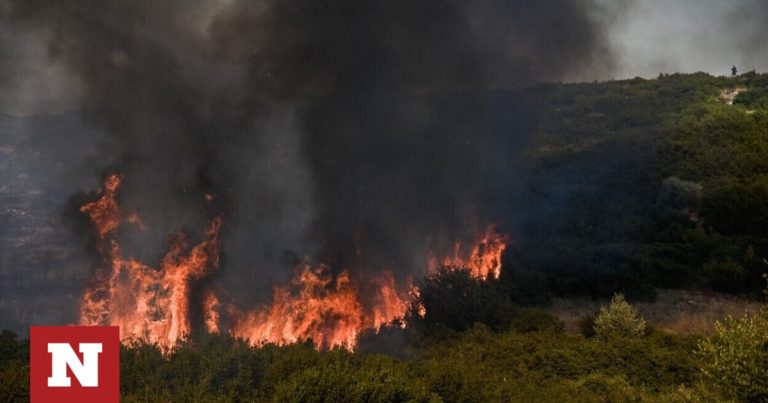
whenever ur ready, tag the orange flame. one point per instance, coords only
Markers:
(153, 304)
(321, 308)
(104, 212)
(484, 260)
(150, 304)
(211, 306)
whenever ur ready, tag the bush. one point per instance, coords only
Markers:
(735, 359)
(14, 368)
(453, 299)
(339, 383)
(610, 388)
(391, 339)
(618, 319)
(536, 320)
(685, 394)
(587, 325)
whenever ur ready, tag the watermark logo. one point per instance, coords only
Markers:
(74, 364)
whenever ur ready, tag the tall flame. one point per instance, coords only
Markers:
(147, 303)
(483, 260)
(153, 303)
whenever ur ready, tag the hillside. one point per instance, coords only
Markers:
(657, 189)
(641, 184)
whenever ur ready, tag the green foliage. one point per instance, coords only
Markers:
(678, 195)
(483, 366)
(638, 184)
(736, 358)
(618, 319)
(727, 275)
(379, 380)
(754, 98)
(453, 299)
(610, 388)
(14, 368)
(696, 394)
(214, 365)
(713, 140)
(535, 320)
(587, 325)
(737, 208)
(524, 287)
(478, 365)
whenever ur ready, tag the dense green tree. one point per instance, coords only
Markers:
(618, 319)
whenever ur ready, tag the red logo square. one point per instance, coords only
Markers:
(74, 364)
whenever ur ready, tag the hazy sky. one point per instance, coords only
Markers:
(653, 36)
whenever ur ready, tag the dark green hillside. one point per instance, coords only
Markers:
(647, 183)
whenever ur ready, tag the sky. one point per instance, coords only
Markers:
(667, 36)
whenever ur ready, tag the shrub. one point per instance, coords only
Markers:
(536, 320)
(735, 359)
(453, 299)
(14, 368)
(610, 388)
(696, 394)
(339, 383)
(618, 319)
(678, 195)
(587, 325)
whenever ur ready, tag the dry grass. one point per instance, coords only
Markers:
(676, 311)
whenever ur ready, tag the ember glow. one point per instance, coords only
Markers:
(483, 260)
(330, 309)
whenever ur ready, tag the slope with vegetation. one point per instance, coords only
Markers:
(531, 358)
(632, 186)
(645, 184)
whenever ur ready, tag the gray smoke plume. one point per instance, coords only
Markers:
(361, 133)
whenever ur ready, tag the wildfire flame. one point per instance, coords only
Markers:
(211, 306)
(153, 303)
(323, 309)
(147, 303)
(483, 260)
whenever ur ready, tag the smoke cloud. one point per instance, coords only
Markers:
(360, 133)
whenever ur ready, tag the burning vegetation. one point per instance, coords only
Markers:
(483, 260)
(327, 310)
(154, 304)
(147, 303)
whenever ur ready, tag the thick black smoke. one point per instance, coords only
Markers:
(361, 133)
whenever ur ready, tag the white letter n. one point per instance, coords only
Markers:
(86, 372)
